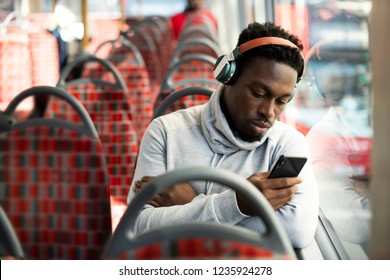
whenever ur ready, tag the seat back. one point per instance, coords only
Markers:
(196, 46)
(141, 37)
(53, 182)
(202, 20)
(191, 70)
(122, 47)
(162, 41)
(197, 32)
(192, 66)
(130, 64)
(182, 99)
(185, 83)
(10, 246)
(15, 67)
(200, 240)
(109, 107)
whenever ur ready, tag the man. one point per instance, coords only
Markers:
(236, 130)
(178, 20)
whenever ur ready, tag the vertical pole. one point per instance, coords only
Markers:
(53, 5)
(380, 241)
(84, 13)
(122, 20)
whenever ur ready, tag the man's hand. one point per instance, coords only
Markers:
(278, 191)
(178, 194)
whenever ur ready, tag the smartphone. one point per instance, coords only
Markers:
(287, 167)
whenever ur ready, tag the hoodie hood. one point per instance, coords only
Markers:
(217, 130)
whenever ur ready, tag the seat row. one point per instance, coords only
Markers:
(55, 199)
(100, 105)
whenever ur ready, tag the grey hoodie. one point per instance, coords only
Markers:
(201, 136)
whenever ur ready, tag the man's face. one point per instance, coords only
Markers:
(195, 4)
(258, 97)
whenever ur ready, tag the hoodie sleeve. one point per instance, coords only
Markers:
(300, 216)
(202, 208)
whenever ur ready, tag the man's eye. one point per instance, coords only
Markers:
(258, 95)
(281, 101)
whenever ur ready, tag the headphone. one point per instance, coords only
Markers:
(225, 68)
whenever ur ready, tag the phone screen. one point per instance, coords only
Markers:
(288, 167)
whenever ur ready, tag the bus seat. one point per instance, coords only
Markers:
(179, 99)
(201, 20)
(193, 32)
(196, 46)
(163, 24)
(191, 69)
(10, 246)
(53, 183)
(15, 68)
(127, 59)
(108, 105)
(159, 31)
(200, 240)
(140, 37)
(101, 29)
(170, 87)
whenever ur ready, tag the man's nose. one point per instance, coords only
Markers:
(267, 109)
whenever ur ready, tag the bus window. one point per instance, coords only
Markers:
(333, 109)
(136, 8)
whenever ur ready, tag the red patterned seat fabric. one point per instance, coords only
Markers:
(110, 111)
(54, 190)
(200, 248)
(138, 85)
(137, 80)
(146, 45)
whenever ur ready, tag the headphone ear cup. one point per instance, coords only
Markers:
(227, 69)
(232, 73)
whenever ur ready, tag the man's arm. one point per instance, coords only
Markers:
(278, 191)
(300, 215)
(178, 194)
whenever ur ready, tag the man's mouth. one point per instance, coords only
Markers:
(260, 127)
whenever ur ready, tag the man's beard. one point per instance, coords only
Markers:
(249, 137)
(242, 134)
